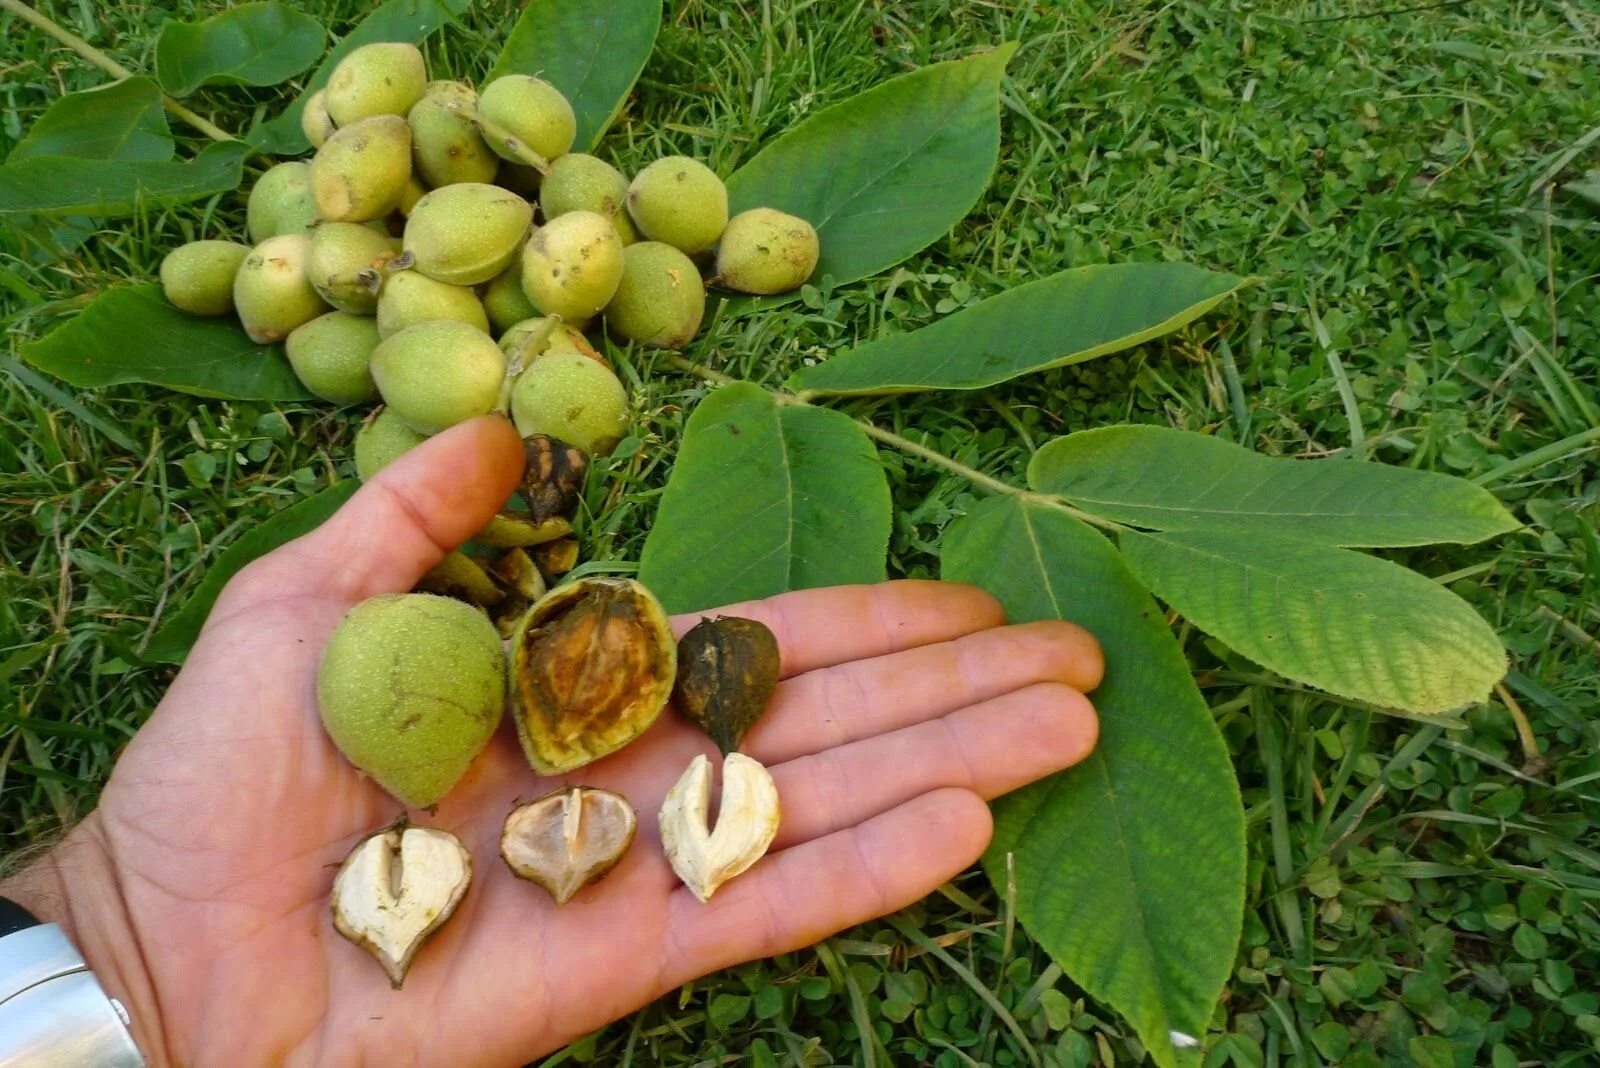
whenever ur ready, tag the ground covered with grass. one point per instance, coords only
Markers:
(1409, 184)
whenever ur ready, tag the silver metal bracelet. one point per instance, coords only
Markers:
(53, 1012)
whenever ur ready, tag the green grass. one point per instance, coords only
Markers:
(1419, 894)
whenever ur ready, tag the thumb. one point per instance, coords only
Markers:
(397, 526)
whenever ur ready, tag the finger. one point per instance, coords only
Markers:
(823, 627)
(802, 895)
(990, 749)
(397, 526)
(839, 705)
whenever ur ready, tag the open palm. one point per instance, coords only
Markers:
(904, 705)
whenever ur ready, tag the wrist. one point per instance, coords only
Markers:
(75, 886)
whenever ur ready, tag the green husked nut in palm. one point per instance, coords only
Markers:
(330, 355)
(680, 201)
(362, 170)
(766, 251)
(382, 439)
(281, 202)
(411, 688)
(581, 182)
(315, 122)
(198, 277)
(661, 299)
(408, 298)
(570, 396)
(445, 144)
(572, 264)
(386, 78)
(271, 292)
(435, 375)
(531, 112)
(505, 301)
(347, 261)
(467, 233)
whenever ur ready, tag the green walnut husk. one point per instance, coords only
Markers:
(556, 558)
(330, 355)
(315, 122)
(569, 396)
(571, 266)
(766, 251)
(362, 171)
(408, 299)
(197, 278)
(526, 113)
(466, 233)
(445, 145)
(592, 668)
(385, 78)
(281, 202)
(660, 300)
(383, 439)
(271, 292)
(347, 263)
(581, 182)
(514, 530)
(435, 375)
(411, 688)
(728, 668)
(461, 577)
(680, 201)
(505, 302)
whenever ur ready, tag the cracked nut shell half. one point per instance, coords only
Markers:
(592, 665)
(396, 889)
(568, 839)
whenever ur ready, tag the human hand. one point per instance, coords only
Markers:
(198, 889)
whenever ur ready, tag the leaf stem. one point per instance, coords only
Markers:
(906, 445)
(110, 66)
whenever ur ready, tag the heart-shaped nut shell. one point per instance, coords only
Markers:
(568, 839)
(747, 822)
(396, 889)
(593, 664)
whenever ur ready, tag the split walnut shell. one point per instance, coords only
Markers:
(568, 839)
(592, 665)
(747, 822)
(727, 670)
(553, 478)
(396, 889)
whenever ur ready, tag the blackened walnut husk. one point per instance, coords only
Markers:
(554, 476)
(727, 670)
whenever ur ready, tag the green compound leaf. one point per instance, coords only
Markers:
(1162, 478)
(124, 120)
(1340, 620)
(1067, 318)
(63, 185)
(766, 498)
(131, 334)
(1130, 867)
(171, 643)
(397, 20)
(888, 172)
(592, 50)
(251, 44)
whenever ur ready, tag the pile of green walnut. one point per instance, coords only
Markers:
(412, 688)
(392, 263)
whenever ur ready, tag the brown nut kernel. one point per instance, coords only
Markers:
(727, 670)
(568, 839)
(592, 665)
(554, 476)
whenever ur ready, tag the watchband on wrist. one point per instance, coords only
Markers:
(52, 1009)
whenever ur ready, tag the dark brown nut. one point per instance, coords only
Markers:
(592, 666)
(568, 839)
(553, 479)
(556, 558)
(727, 670)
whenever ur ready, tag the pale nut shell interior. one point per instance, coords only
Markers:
(397, 888)
(747, 821)
(568, 839)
